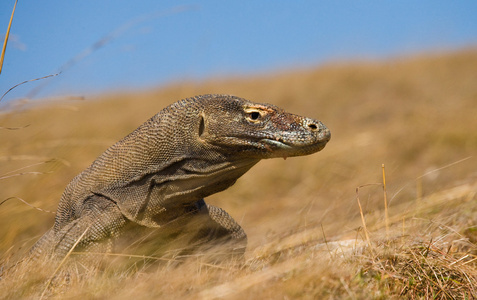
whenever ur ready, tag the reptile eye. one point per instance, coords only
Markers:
(254, 115)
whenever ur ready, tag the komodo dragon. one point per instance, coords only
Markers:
(161, 171)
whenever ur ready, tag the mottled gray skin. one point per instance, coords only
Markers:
(160, 173)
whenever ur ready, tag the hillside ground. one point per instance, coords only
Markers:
(308, 237)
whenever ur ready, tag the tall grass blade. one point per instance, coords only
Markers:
(6, 37)
(386, 215)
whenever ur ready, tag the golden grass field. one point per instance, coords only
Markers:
(416, 115)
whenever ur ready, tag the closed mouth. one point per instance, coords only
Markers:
(276, 143)
(280, 144)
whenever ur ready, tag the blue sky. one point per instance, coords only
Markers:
(155, 42)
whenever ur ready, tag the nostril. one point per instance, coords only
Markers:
(313, 126)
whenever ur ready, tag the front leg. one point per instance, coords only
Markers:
(216, 227)
(100, 221)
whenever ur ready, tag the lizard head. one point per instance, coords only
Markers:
(259, 130)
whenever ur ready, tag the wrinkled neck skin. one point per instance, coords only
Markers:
(197, 179)
(206, 172)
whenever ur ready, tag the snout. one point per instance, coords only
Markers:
(319, 129)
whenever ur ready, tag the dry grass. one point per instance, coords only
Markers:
(306, 236)
(7, 34)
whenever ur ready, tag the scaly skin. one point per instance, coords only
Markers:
(161, 172)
